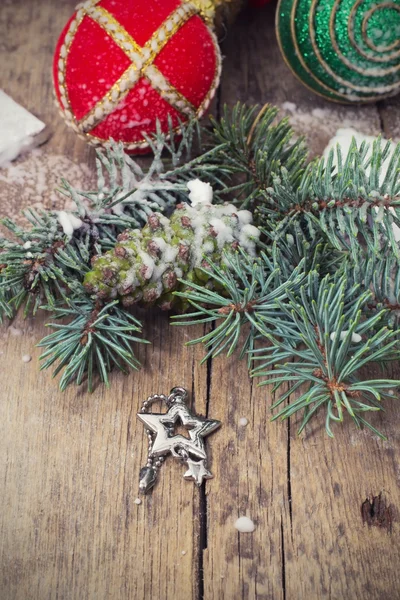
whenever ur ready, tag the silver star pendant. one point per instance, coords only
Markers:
(197, 472)
(163, 441)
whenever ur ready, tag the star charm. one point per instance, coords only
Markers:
(197, 472)
(165, 443)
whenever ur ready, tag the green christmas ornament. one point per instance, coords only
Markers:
(145, 266)
(345, 50)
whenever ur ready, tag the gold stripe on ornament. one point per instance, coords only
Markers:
(337, 78)
(215, 82)
(206, 9)
(109, 102)
(143, 144)
(115, 30)
(171, 25)
(62, 69)
(373, 72)
(166, 91)
(293, 32)
(144, 56)
(384, 49)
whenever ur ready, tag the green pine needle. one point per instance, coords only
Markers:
(251, 146)
(98, 339)
(328, 341)
(245, 299)
(327, 271)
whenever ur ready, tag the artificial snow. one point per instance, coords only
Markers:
(290, 107)
(355, 337)
(243, 422)
(148, 262)
(244, 525)
(248, 237)
(69, 222)
(138, 501)
(19, 129)
(245, 217)
(223, 231)
(26, 358)
(200, 192)
(31, 181)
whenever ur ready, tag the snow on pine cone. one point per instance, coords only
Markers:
(145, 265)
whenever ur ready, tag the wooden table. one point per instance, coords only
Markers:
(69, 462)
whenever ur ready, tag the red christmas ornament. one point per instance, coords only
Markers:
(121, 65)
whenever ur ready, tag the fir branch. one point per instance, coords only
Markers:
(5, 308)
(381, 276)
(252, 147)
(328, 273)
(245, 298)
(127, 193)
(97, 339)
(347, 204)
(322, 351)
(294, 245)
(29, 274)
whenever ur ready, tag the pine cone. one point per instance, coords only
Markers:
(145, 265)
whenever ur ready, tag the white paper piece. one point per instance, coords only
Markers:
(18, 129)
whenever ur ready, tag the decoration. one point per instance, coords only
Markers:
(310, 306)
(121, 66)
(145, 266)
(163, 441)
(347, 51)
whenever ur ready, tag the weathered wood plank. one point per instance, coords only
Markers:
(69, 528)
(310, 488)
(250, 464)
(389, 111)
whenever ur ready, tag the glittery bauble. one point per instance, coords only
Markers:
(122, 65)
(346, 50)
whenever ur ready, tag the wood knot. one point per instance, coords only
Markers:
(376, 513)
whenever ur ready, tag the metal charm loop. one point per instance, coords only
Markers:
(177, 394)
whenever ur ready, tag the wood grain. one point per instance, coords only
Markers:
(69, 463)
